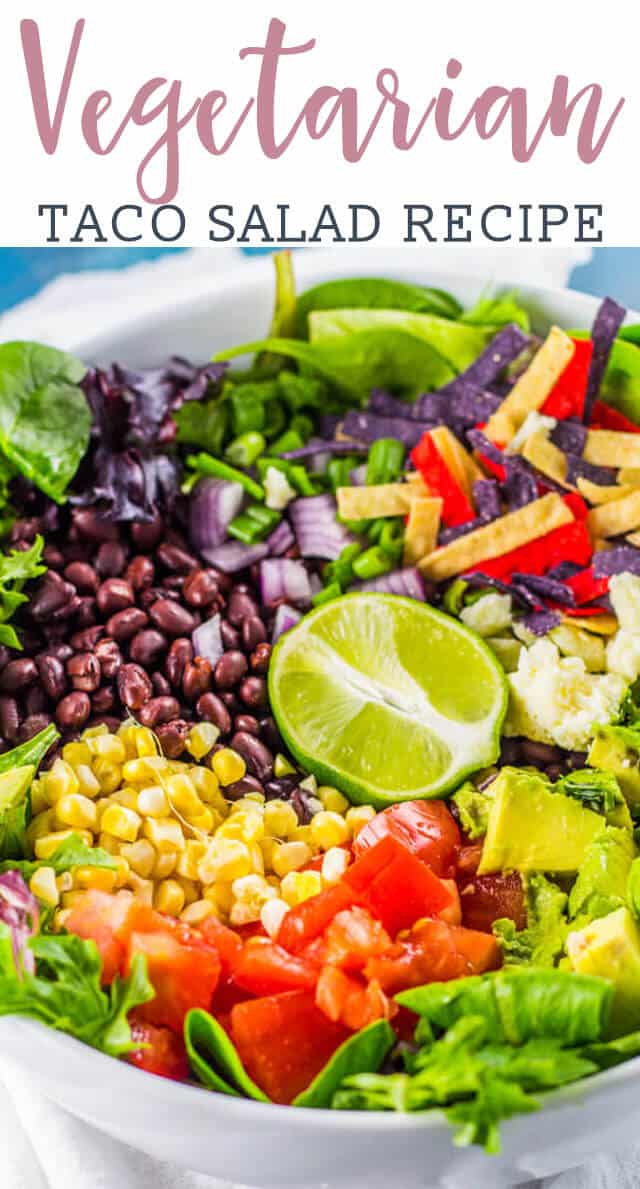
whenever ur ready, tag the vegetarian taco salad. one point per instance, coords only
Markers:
(320, 704)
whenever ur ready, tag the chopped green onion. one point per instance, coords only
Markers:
(254, 524)
(391, 538)
(244, 450)
(333, 591)
(217, 469)
(385, 462)
(339, 471)
(340, 571)
(289, 440)
(247, 409)
(372, 563)
(275, 419)
(454, 596)
(301, 480)
(303, 425)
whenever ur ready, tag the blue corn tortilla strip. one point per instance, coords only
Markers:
(502, 350)
(520, 486)
(519, 594)
(540, 623)
(369, 427)
(564, 570)
(569, 436)
(479, 442)
(607, 323)
(546, 588)
(577, 468)
(447, 535)
(620, 559)
(472, 405)
(486, 496)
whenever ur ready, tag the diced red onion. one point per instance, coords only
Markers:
(407, 582)
(207, 641)
(281, 539)
(286, 617)
(214, 504)
(235, 555)
(19, 911)
(282, 578)
(358, 476)
(317, 530)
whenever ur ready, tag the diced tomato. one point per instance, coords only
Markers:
(426, 828)
(99, 917)
(567, 396)
(265, 968)
(586, 587)
(346, 1000)
(308, 920)
(469, 859)
(225, 941)
(433, 952)
(353, 937)
(487, 898)
(604, 416)
(570, 542)
(427, 459)
(481, 950)
(404, 1024)
(396, 886)
(164, 1052)
(452, 914)
(182, 975)
(284, 1041)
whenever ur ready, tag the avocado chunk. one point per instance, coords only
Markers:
(531, 828)
(612, 750)
(601, 886)
(610, 947)
(14, 786)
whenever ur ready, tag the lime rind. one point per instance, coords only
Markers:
(353, 714)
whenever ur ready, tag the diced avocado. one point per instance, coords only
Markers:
(473, 808)
(601, 886)
(14, 786)
(507, 651)
(610, 948)
(613, 751)
(574, 641)
(531, 828)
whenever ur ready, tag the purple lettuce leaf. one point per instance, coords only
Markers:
(20, 913)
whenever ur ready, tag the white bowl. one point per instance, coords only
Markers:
(272, 1147)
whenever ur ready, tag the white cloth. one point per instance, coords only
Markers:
(41, 1146)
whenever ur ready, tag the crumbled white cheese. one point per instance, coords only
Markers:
(624, 592)
(533, 423)
(554, 699)
(488, 616)
(278, 491)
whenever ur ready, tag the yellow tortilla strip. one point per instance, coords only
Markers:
(501, 536)
(595, 494)
(629, 475)
(369, 503)
(607, 448)
(634, 539)
(418, 485)
(545, 457)
(421, 533)
(461, 465)
(616, 518)
(600, 625)
(532, 389)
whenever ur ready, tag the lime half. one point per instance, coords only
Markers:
(386, 698)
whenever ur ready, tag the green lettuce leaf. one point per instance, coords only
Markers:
(597, 790)
(373, 293)
(456, 342)
(601, 886)
(15, 807)
(473, 809)
(72, 852)
(541, 943)
(16, 568)
(214, 1058)
(361, 1053)
(497, 311)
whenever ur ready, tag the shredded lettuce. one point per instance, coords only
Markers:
(542, 942)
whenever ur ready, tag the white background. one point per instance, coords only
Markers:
(498, 42)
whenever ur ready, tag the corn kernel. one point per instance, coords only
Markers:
(143, 742)
(333, 800)
(109, 843)
(221, 896)
(169, 897)
(272, 915)
(328, 829)
(206, 822)
(140, 856)
(39, 799)
(290, 856)
(300, 885)
(302, 834)
(190, 889)
(201, 739)
(194, 913)
(48, 843)
(122, 871)
(207, 786)
(43, 823)
(108, 747)
(64, 882)
(248, 826)
(71, 899)
(102, 879)
(60, 781)
(252, 800)
(76, 810)
(267, 847)
(255, 856)
(182, 795)
(76, 753)
(226, 859)
(280, 819)
(334, 864)
(142, 889)
(108, 775)
(165, 864)
(164, 833)
(250, 893)
(123, 823)
(88, 783)
(127, 796)
(144, 770)
(61, 917)
(228, 766)
(152, 801)
(358, 817)
(43, 885)
(188, 861)
(94, 732)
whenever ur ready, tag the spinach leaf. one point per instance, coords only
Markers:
(455, 342)
(358, 362)
(44, 416)
(214, 1059)
(203, 423)
(630, 334)
(283, 322)
(363, 1052)
(497, 311)
(17, 769)
(542, 941)
(32, 752)
(72, 852)
(16, 568)
(372, 293)
(65, 992)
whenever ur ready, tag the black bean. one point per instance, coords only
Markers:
(196, 679)
(200, 588)
(173, 557)
(554, 772)
(9, 718)
(103, 700)
(259, 659)
(229, 635)
(114, 594)
(87, 639)
(253, 692)
(86, 611)
(73, 711)
(147, 646)
(89, 525)
(5, 656)
(211, 708)
(84, 671)
(51, 594)
(82, 576)
(17, 675)
(172, 737)
(109, 657)
(230, 669)
(25, 529)
(134, 686)
(161, 687)
(540, 754)
(124, 624)
(62, 651)
(140, 572)
(52, 557)
(510, 751)
(52, 675)
(32, 726)
(270, 734)
(246, 722)
(282, 787)
(576, 759)
(146, 534)
(240, 607)
(180, 653)
(111, 559)
(254, 633)
(172, 618)
(257, 757)
(159, 710)
(240, 788)
(36, 700)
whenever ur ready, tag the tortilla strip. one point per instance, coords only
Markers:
(547, 458)
(615, 518)
(533, 387)
(600, 625)
(501, 536)
(421, 533)
(607, 448)
(596, 494)
(629, 475)
(461, 465)
(634, 539)
(368, 503)
(418, 486)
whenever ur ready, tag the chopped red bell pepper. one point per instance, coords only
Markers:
(427, 459)
(606, 417)
(586, 586)
(265, 968)
(576, 504)
(567, 396)
(577, 612)
(308, 920)
(396, 886)
(570, 542)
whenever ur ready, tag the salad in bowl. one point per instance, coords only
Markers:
(320, 704)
